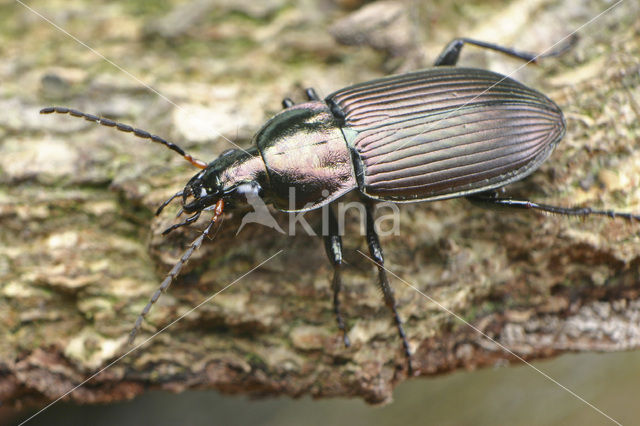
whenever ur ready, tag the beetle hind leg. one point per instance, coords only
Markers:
(490, 199)
(389, 299)
(451, 52)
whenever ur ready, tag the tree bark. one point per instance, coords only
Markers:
(81, 251)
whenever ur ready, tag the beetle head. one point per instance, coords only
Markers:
(200, 194)
(226, 180)
(234, 173)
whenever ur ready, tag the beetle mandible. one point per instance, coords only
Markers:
(439, 133)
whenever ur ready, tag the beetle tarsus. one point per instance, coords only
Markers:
(375, 251)
(336, 285)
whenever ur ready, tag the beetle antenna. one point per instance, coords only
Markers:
(175, 271)
(127, 129)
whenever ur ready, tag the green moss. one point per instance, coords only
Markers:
(254, 359)
(147, 7)
(10, 26)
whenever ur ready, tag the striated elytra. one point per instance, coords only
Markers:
(438, 133)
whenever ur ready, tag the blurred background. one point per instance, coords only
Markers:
(227, 64)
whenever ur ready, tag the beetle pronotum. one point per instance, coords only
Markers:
(434, 134)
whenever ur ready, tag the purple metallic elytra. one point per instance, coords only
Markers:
(446, 132)
(439, 133)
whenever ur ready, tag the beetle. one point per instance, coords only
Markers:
(439, 133)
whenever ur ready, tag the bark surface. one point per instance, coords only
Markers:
(81, 252)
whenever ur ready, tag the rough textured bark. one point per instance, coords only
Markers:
(80, 250)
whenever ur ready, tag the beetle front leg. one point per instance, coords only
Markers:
(311, 94)
(376, 253)
(333, 247)
(490, 199)
(451, 52)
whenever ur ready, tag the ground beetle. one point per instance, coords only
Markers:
(439, 133)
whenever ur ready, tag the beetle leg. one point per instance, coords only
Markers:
(490, 200)
(451, 52)
(187, 221)
(333, 247)
(376, 253)
(287, 103)
(166, 203)
(311, 94)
